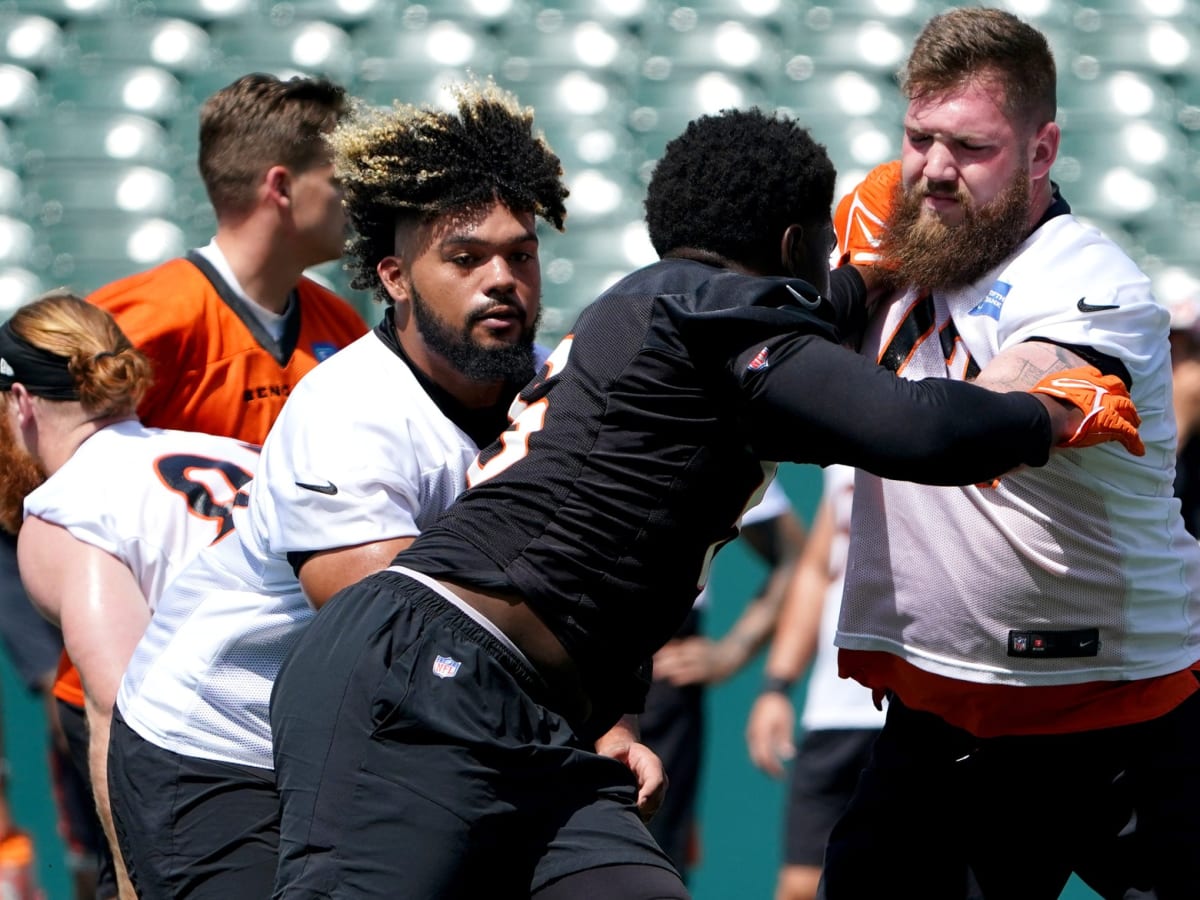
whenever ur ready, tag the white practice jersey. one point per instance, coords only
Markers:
(360, 453)
(150, 497)
(961, 582)
(831, 701)
(773, 504)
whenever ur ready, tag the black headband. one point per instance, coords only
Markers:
(43, 373)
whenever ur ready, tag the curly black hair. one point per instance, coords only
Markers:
(733, 182)
(412, 163)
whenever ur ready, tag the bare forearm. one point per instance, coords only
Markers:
(99, 722)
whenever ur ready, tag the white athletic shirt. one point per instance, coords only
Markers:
(830, 701)
(360, 453)
(941, 576)
(773, 504)
(152, 498)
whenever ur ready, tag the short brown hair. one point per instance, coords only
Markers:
(260, 121)
(977, 43)
(110, 375)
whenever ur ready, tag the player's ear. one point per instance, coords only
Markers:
(24, 401)
(789, 247)
(278, 185)
(392, 274)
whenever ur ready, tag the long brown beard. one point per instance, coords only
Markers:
(19, 475)
(922, 251)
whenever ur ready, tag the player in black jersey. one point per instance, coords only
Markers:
(438, 717)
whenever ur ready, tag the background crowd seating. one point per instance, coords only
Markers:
(99, 100)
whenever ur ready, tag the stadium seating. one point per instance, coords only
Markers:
(94, 93)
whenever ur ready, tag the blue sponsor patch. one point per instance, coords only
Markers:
(990, 305)
(322, 351)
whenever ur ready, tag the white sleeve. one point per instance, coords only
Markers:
(333, 480)
(774, 503)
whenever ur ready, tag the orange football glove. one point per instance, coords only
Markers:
(860, 216)
(1108, 413)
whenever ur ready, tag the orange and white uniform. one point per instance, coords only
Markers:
(222, 364)
(963, 600)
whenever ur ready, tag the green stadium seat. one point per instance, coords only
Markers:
(1114, 96)
(12, 192)
(17, 287)
(257, 44)
(558, 42)
(86, 257)
(1130, 42)
(662, 109)
(19, 91)
(66, 10)
(174, 44)
(99, 188)
(79, 135)
(745, 50)
(95, 85)
(16, 242)
(32, 41)
(204, 12)
(626, 14)
(420, 54)
(835, 43)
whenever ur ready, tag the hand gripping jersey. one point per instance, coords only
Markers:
(149, 497)
(361, 452)
(1080, 571)
(649, 431)
(216, 368)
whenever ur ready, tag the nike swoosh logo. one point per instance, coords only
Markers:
(328, 488)
(1085, 307)
(804, 301)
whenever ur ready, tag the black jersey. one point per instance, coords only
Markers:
(657, 422)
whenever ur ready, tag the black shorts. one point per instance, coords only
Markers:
(416, 759)
(189, 827)
(672, 725)
(824, 773)
(77, 806)
(1022, 812)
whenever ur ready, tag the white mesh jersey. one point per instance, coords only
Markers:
(150, 497)
(346, 463)
(829, 700)
(941, 576)
(773, 504)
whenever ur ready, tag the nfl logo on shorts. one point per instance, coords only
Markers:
(445, 667)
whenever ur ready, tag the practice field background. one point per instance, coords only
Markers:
(741, 808)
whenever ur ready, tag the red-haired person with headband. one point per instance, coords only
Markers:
(112, 509)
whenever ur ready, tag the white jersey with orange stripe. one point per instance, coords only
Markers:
(152, 498)
(1077, 571)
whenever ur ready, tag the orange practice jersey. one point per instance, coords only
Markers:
(216, 369)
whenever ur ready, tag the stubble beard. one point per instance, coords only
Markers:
(920, 250)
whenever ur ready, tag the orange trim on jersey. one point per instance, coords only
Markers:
(210, 372)
(992, 710)
(68, 687)
(918, 324)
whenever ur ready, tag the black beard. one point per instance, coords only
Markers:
(510, 363)
(20, 473)
(921, 251)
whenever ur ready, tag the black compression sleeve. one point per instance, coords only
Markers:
(848, 295)
(818, 402)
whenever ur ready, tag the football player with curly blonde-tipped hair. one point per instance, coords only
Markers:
(366, 452)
